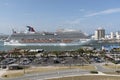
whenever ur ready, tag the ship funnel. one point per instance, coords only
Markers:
(30, 29)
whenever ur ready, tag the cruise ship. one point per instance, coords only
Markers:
(62, 37)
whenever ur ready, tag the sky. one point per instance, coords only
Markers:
(50, 15)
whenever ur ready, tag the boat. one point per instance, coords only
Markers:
(62, 37)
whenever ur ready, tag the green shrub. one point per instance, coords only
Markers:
(118, 71)
(94, 72)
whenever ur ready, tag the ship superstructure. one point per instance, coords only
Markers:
(61, 37)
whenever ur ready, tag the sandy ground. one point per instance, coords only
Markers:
(2, 71)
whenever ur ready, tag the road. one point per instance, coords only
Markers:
(99, 67)
(54, 74)
(60, 73)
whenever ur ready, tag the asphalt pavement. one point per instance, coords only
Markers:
(99, 67)
(60, 73)
(48, 75)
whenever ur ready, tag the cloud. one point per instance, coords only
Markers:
(108, 11)
(104, 12)
(82, 10)
(75, 21)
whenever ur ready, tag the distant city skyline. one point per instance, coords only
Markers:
(49, 15)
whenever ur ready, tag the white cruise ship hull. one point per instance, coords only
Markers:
(16, 43)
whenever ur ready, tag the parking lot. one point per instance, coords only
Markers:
(44, 61)
(45, 58)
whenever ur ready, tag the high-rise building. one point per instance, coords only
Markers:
(100, 33)
(117, 35)
(111, 35)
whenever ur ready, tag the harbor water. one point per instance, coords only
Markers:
(58, 48)
(47, 48)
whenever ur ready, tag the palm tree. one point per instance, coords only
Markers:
(80, 51)
(56, 53)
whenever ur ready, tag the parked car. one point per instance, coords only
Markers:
(8, 61)
(25, 61)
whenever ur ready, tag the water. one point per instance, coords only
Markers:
(48, 48)
(58, 48)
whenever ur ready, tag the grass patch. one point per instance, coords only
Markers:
(114, 73)
(44, 69)
(10, 74)
(85, 67)
(89, 78)
(18, 73)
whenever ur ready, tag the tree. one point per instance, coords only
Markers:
(80, 51)
(56, 53)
